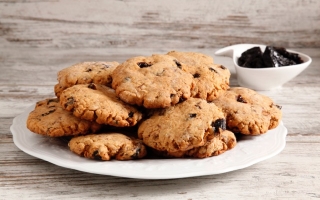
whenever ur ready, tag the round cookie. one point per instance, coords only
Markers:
(84, 73)
(218, 145)
(210, 80)
(153, 82)
(248, 112)
(50, 119)
(107, 146)
(99, 103)
(184, 126)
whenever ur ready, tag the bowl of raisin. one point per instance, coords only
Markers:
(262, 67)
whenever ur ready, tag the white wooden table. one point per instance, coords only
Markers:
(38, 38)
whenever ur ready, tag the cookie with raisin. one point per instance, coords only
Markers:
(210, 80)
(84, 73)
(99, 103)
(249, 112)
(50, 119)
(187, 125)
(108, 146)
(157, 81)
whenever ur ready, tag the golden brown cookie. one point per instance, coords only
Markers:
(226, 140)
(99, 103)
(84, 73)
(182, 127)
(210, 80)
(107, 146)
(157, 81)
(248, 112)
(50, 119)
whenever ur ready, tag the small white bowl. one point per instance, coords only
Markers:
(262, 78)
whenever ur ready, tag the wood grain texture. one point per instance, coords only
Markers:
(40, 37)
(162, 24)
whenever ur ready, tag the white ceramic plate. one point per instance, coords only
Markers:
(248, 151)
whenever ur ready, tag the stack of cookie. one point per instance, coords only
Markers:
(178, 105)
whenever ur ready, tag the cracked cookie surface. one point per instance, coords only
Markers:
(248, 112)
(153, 82)
(99, 103)
(50, 119)
(84, 73)
(184, 126)
(210, 80)
(108, 146)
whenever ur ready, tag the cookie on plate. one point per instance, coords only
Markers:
(99, 103)
(248, 112)
(218, 145)
(182, 127)
(50, 119)
(210, 80)
(107, 146)
(157, 81)
(84, 73)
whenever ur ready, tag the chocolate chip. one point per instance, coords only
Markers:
(49, 112)
(219, 124)
(213, 70)
(192, 115)
(240, 99)
(196, 75)
(96, 155)
(92, 86)
(143, 64)
(178, 64)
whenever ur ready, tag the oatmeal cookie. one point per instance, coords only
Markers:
(99, 103)
(84, 73)
(50, 119)
(210, 80)
(248, 112)
(108, 146)
(182, 127)
(153, 82)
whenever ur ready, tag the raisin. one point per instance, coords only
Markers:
(88, 70)
(49, 112)
(52, 100)
(130, 114)
(92, 86)
(70, 100)
(196, 75)
(240, 99)
(279, 107)
(136, 153)
(178, 64)
(213, 70)
(143, 64)
(219, 124)
(192, 115)
(222, 67)
(96, 155)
